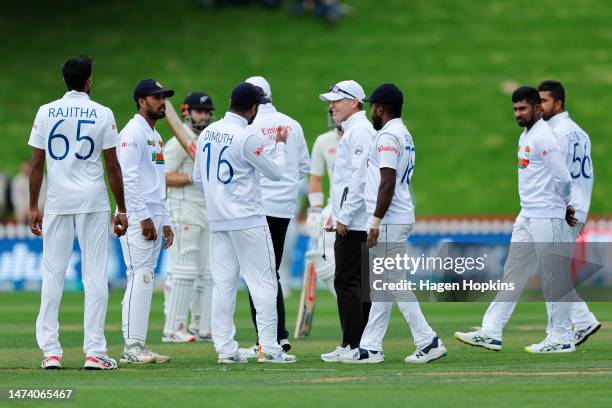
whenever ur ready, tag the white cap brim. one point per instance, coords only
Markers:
(333, 96)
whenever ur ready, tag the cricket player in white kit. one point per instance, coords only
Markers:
(142, 162)
(390, 209)
(322, 160)
(545, 192)
(280, 197)
(71, 135)
(227, 167)
(576, 144)
(189, 280)
(349, 212)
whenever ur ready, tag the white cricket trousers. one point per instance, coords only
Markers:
(140, 258)
(251, 252)
(380, 312)
(581, 316)
(521, 261)
(92, 232)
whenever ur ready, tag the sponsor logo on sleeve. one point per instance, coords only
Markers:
(358, 150)
(332, 150)
(259, 151)
(391, 149)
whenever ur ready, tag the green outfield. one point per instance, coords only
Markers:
(455, 60)
(467, 376)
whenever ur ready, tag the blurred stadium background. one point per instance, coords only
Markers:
(457, 62)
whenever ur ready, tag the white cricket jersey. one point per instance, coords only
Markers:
(544, 181)
(142, 164)
(578, 159)
(179, 161)
(324, 155)
(73, 131)
(227, 167)
(348, 179)
(393, 148)
(280, 197)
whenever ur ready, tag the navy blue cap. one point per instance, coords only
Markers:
(386, 94)
(245, 95)
(148, 87)
(198, 100)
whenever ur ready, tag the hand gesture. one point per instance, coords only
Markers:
(168, 237)
(148, 230)
(373, 237)
(281, 135)
(120, 224)
(35, 221)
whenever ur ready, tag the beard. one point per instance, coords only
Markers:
(160, 114)
(377, 122)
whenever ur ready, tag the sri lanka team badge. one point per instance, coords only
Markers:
(523, 162)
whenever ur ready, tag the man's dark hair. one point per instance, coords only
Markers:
(395, 111)
(360, 106)
(555, 88)
(76, 71)
(528, 94)
(238, 107)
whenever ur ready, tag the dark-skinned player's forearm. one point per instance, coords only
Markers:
(37, 167)
(385, 193)
(115, 178)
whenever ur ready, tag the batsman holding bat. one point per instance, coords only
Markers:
(189, 280)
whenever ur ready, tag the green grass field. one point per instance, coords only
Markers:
(466, 377)
(454, 60)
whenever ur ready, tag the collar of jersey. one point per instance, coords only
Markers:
(391, 123)
(558, 117)
(353, 120)
(266, 108)
(237, 119)
(142, 122)
(76, 94)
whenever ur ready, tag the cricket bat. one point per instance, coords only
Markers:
(303, 324)
(186, 137)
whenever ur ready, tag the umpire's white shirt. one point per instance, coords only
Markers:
(348, 180)
(544, 181)
(73, 131)
(393, 148)
(142, 165)
(577, 145)
(227, 167)
(280, 197)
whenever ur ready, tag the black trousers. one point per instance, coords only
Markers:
(278, 230)
(353, 312)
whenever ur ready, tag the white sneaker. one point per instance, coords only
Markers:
(179, 337)
(362, 356)
(480, 339)
(582, 335)
(276, 358)
(235, 359)
(135, 354)
(51, 363)
(547, 346)
(249, 352)
(100, 363)
(159, 358)
(433, 351)
(334, 356)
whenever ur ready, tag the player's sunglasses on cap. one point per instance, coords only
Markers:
(337, 89)
(344, 90)
(149, 87)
